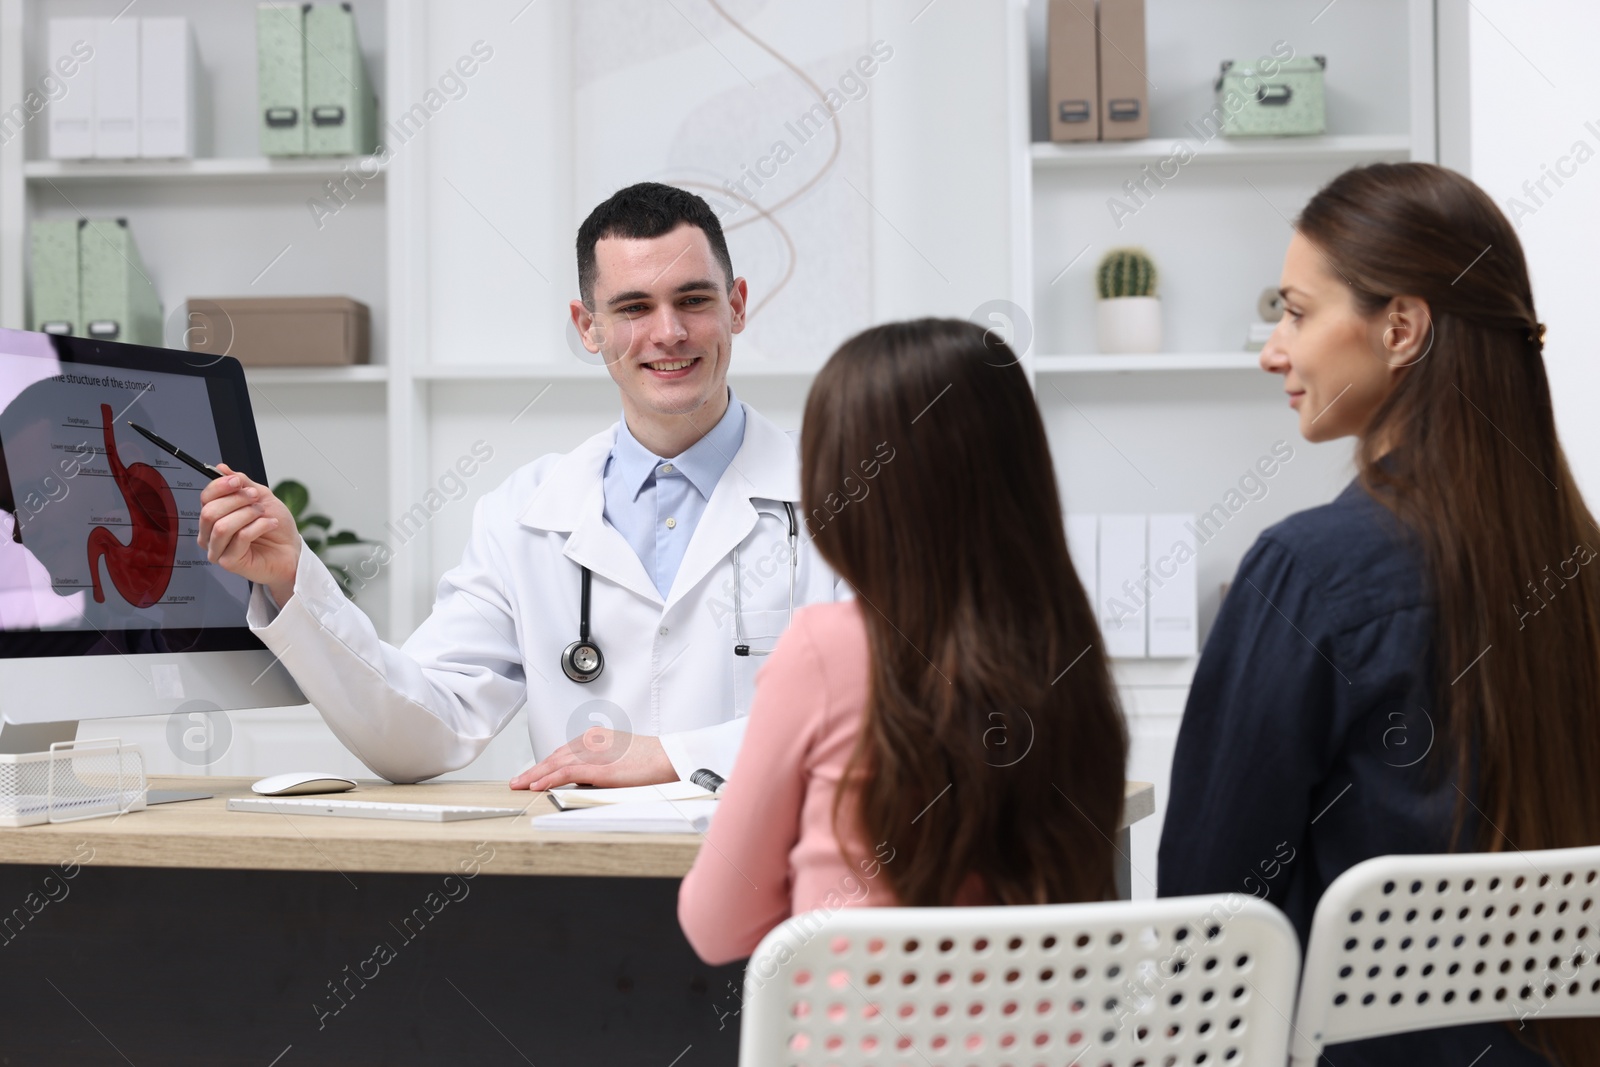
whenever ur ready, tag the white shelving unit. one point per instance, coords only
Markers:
(1349, 148)
(1157, 362)
(363, 374)
(124, 171)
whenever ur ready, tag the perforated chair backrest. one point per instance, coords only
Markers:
(1417, 942)
(1191, 980)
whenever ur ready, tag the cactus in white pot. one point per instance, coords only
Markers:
(1128, 313)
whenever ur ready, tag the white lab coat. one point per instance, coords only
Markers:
(504, 614)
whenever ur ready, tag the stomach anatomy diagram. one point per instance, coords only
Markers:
(141, 568)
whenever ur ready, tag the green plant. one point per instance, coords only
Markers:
(1126, 272)
(315, 529)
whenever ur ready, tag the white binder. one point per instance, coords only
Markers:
(116, 88)
(71, 118)
(1083, 544)
(168, 66)
(1174, 601)
(1121, 601)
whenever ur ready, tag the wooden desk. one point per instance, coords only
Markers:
(190, 935)
(204, 834)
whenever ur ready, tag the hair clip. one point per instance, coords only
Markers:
(1535, 334)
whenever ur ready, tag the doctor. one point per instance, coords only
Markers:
(606, 589)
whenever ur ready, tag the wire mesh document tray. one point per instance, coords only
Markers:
(74, 780)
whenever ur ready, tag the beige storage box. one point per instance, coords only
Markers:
(1073, 75)
(280, 331)
(1124, 90)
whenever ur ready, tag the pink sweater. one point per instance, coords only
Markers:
(771, 850)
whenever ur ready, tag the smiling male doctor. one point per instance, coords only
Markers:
(667, 509)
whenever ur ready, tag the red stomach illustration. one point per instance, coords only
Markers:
(141, 568)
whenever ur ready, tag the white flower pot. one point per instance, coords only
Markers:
(1127, 324)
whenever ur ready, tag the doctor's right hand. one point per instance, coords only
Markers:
(247, 531)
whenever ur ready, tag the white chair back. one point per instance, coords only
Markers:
(1191, 980)
(1417, 942)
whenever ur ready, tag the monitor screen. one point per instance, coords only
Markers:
(98, 525)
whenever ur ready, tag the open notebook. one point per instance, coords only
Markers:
(569, 799)
(637, 817)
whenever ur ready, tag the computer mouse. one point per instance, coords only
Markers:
(290, 785)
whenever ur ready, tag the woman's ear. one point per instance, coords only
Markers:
(1404, 332)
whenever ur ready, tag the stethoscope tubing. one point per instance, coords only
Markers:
(585, 648)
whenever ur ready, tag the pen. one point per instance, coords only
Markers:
(174, 450)
(709, 780)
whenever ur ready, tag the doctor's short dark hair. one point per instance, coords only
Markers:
(645, 210)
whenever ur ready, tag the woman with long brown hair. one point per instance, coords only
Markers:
(1414, 667)
(952, 735)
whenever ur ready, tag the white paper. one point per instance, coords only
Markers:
(590, 798)
(639, 817)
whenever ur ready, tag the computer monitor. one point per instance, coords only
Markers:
(108, 607)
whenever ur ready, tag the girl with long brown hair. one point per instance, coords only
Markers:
(952, 735)
(1414, 667)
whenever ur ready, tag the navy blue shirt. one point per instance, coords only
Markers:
(1309, 742)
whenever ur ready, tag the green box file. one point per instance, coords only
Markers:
(281, 78)
(119, 302)
(341, 110)
(1287, 102)
(56, 307)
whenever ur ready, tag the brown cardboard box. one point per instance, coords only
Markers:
(280, 331)
(1073, 92)
(1124, 90)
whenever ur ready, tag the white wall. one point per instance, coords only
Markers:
(1533, 87)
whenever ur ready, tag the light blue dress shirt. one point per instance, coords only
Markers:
(656, 502)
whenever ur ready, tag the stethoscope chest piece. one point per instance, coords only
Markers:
(582, 661)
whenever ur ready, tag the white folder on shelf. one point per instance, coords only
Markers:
(116, 88)
(71, 117)
(168, 95)
(1120, 603)
(1174, 628)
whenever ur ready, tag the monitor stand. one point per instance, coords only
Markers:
(17, 738)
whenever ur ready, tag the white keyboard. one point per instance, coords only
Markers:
(367, 809)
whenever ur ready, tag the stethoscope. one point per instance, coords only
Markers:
(583, 662)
